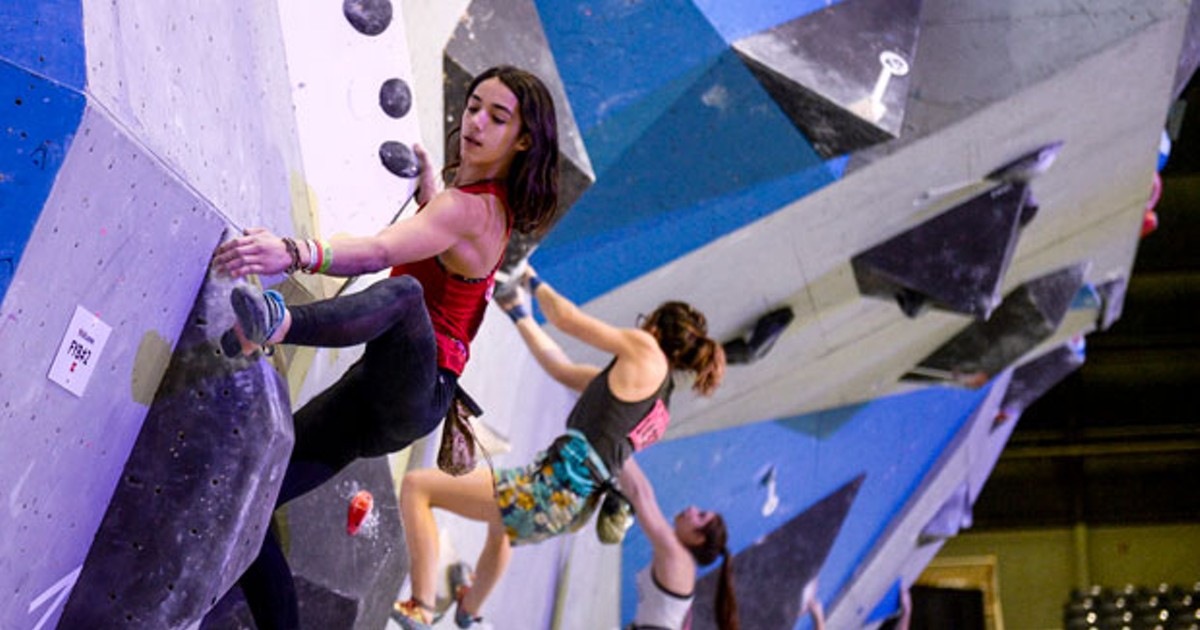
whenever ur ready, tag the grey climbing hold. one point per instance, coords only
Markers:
(395, 98)
(398, 159)
(369, 17)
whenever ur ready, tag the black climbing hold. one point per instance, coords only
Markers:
(395, 98)
(767, 331)
(369, 17)
(398, 159)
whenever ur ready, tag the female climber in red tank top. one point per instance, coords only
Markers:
(418, 323)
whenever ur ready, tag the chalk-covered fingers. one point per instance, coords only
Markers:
(258, 251)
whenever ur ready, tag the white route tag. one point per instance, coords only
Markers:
(80, 351)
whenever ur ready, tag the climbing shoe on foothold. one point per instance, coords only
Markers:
(412, 615)
(259, 313)
(460, 583)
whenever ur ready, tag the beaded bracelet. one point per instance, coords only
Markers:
(294, 252)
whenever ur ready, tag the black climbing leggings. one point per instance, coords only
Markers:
(389, 398)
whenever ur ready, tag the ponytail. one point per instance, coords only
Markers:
(682, 334)
(726, 603)
(708, 363)
(716, 537)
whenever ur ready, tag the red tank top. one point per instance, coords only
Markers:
(456, 304)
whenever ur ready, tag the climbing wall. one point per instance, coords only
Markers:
(736, 155)
(744, 156)
(137, 135)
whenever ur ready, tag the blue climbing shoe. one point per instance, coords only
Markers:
(260, 313)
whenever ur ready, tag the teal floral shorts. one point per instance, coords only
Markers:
(550, 496)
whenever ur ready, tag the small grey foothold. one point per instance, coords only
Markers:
(395, 98)
(369, 17)
(399, 159)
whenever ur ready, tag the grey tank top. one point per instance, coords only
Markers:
(616, 428)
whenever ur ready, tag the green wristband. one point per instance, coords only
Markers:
(326, 257)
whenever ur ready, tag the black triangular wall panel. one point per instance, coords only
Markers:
(771, 574)
(840, 74)
(1112, 294)
(1033, 379)
(1029, 315)
(955, 261)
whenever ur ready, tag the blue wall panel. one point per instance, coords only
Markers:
(895, 441)
(613, 54)
(735, 20)
(609, 139)
(722, 156)
(46, 37)
(40, 118)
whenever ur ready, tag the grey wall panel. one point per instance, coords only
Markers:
(205, 86)
(973, 54)
(343, 581)
(365, 569)
(123, 238)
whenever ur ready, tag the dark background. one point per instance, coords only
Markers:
(1118, 442)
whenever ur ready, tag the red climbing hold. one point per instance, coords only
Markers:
(360, 507)
(1149, 222)
(1150, 217)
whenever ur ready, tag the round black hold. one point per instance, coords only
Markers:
(398, 159)
(395, 98)
(369, 17)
